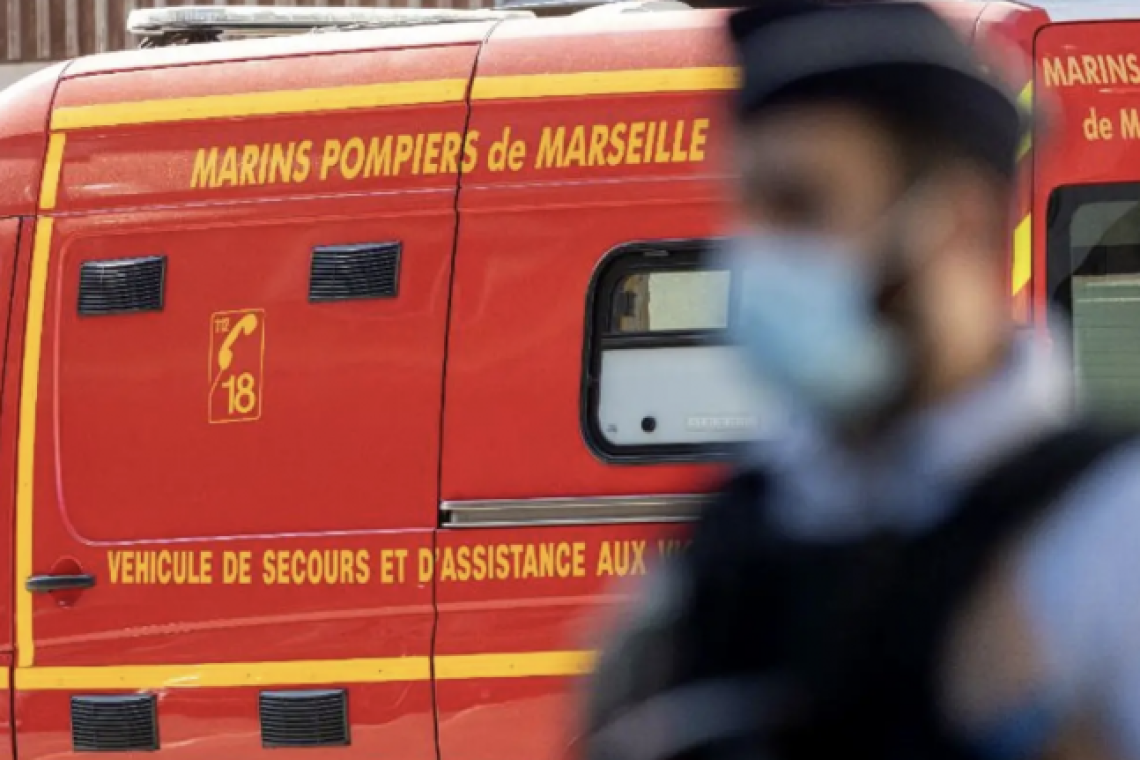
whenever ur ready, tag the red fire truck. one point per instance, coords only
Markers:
(462, 368)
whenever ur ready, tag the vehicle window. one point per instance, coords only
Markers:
(1094, 277)
(658, 301)
(661, 381)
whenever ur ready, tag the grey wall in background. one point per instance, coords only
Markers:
(12, 73)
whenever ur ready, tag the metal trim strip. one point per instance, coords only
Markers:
(591, 510)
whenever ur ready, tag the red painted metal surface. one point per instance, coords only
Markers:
(15, 250)
(14, 237)
(275, 64)
(514, 378)
(487, 719)
(519, 301)
(1095, 137)
(1005, 35)
(343, 458)
(115, 166)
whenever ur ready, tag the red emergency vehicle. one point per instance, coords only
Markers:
(462, 359)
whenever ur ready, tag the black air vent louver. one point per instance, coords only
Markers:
(350, 272)
(304, 718)
(122, 286)
(121, 723)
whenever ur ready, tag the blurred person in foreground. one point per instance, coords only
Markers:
(939, 560)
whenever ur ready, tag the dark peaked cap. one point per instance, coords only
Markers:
(900, 57)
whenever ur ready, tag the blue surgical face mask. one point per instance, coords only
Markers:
(807, 326)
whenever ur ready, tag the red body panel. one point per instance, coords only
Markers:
(14, 240)
(340, 459)
(1005, 35)
(114, 167)
(519, 314)
(519, 718)
(1081, 151)
(530, 241)
(15, 250)
(110, 476)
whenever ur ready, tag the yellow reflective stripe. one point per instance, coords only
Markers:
(1022, 254)
(26, 445)
(53, 167)
(331, 99)
(1022, 266)
(642, 81)
(305, 672)
(1025, 99)
(528, 665)
(281, 102)
(29, 395)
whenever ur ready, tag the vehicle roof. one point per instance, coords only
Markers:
(527, 46)
(436, 35)
(961, 11)
(476, 31)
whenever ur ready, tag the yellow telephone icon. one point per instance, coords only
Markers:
(245, 326)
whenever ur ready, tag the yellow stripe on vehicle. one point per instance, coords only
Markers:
(213, 675)
(26, 446)
(1022, 254)
(304, 672)
(1025, 99)
(53, 166)
(354, 97)
(1026, 145)
(29, 395)
(277, 103)
(524, 665)
(1022, 265)
(643, 81)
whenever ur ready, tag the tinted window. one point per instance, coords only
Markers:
(661, 383)
(1094, 276)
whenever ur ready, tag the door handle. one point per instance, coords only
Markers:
(41, 584)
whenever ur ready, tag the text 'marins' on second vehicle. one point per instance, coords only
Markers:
(344, 374)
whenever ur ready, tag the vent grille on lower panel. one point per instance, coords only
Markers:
(122, 286)
(304, 718)
(350, 272)
(121, 723)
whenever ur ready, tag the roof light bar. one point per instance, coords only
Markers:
(262, 20)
